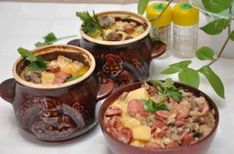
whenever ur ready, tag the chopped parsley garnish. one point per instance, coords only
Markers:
(91, 24)
(151, 106)
(36, 63)
(167, 88)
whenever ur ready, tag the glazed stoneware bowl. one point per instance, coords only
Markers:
(118, 147)
(122, 62)
(69, 107)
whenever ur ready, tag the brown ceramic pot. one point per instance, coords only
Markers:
(55, 112)
(118, 147)
(122, 62)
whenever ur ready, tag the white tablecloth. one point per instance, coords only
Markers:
(23, 24)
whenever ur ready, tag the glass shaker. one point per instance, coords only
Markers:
(161, 27)
(185, 30)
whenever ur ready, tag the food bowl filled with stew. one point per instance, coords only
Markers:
(121, 44)
(54, 92)
(159, 117)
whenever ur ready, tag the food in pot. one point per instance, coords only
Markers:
(159, 116)
(57, 71)
(109, 27)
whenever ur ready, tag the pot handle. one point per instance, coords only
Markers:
(7, 90)
(106, 86)
(75, 42)
(158, 48)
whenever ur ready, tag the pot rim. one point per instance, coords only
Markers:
(136, 85)
(51, 49)
(133, 15)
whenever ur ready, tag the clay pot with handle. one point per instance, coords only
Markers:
(126, 61)
(55, 112)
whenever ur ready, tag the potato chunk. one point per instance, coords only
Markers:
(142, 133)
(47, 78)
(140, 93)
(130, 122)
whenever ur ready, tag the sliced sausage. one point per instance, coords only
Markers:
(61, 77)
(125, 135)
(162, 114)
(152, 146)
(172, 144)
(135, 106)
(187, 138)
(53, 69)
(113, 110)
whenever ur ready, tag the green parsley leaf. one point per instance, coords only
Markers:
(48, 40)
(151, 106)
(71, 78)
(91, 24)
(36, 63)
(167, 88)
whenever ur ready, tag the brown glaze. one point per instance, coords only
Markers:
(123, 62)
(116, 146)
(55, 113)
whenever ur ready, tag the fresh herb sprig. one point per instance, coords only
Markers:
(36, 62)
(167, 88)
(51, 38)
(151, 106)
(91, 24)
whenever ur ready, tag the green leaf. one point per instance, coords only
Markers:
(141, 6)
(205, 53)
(50, 37)
(171, 70)
(48, 40)
(215, 27)
(214, 80)
(71, 78)
(35, 67)
(24, 52)
(182, 64)
(168, 89)
(36, 63)
(151, 106)
(91, 24)
(189, 76)
(174, 93)
(232, 36)
(216, 6)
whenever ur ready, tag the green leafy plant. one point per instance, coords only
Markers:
(36, 63)
(189, 75)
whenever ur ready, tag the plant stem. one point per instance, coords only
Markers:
(220, 52)
(227, 39)
(156, 18)
(66, 37)
(230, 20)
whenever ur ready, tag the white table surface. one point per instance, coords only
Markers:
(23, 24)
